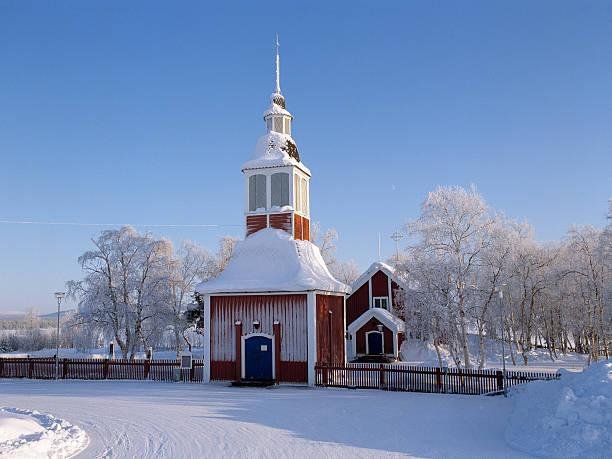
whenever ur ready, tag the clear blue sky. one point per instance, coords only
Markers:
(144, 112)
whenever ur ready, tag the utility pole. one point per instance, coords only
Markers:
(397, 237)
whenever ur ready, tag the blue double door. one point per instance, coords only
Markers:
(258, 358)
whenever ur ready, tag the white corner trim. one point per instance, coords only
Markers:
(311, 307)
(207, 350)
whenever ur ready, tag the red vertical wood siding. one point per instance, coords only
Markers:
(281, 221)
(330, 339)
(297, 227)
(289, 310)
(357, 303)
(380, 284)
(371, 325)
(255, 223)
(305, 229)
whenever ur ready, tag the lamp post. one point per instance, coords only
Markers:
(500, 295)
(59, 296)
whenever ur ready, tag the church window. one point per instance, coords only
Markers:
(278, 124)
(287, 126)
(304, 192)
(280, 189)
(257, 192)
(296, 193)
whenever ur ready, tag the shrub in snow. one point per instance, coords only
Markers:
(571, 417)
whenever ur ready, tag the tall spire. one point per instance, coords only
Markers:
(278, 90)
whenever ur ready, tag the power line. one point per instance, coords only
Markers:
(148, 225)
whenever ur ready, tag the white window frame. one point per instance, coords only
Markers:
(368, 345)
(386, 298)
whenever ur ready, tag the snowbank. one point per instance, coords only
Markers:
(571, 417)
(12, 427)
(30, 434)
(417, 352)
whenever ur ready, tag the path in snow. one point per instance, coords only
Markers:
(147, 419)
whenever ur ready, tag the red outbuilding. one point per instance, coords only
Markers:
(374, 329)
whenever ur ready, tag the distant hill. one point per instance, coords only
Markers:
(53, 315)
(13, 315)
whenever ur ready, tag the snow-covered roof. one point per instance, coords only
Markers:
(270, 260)
(373, 269)
(391, 321)
(276, 109)
(275, 149)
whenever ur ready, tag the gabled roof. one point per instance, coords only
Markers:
(373, 269)
(271, 260)
(393, 323)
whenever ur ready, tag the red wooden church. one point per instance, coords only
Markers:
(374, 329)
(276, 310)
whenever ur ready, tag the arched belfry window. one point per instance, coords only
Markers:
(257, 192)
(280, 189)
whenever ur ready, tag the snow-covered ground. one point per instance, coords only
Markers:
(164, 420)
(30, 434)
(571, 417)
(417, 352)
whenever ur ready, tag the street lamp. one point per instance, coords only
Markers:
(500, 295)
(59, 296)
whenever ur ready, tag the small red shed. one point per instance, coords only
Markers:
(374, 328)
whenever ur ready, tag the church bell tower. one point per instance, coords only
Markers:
(277, 182)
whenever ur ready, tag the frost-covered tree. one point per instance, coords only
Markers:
(454, 229)
(191, 265)
(125, 286)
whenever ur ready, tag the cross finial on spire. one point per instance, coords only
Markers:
(278, 90)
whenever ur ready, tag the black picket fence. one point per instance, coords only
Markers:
(150, 370)
(398, 377)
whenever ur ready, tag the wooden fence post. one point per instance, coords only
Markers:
(325, 375)
(381, 377)
(30, 368)
(500, 380)
(147, 368)
(192, 372)
(439, 379)
(1, 367)
(105, 369)
(64, 368)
